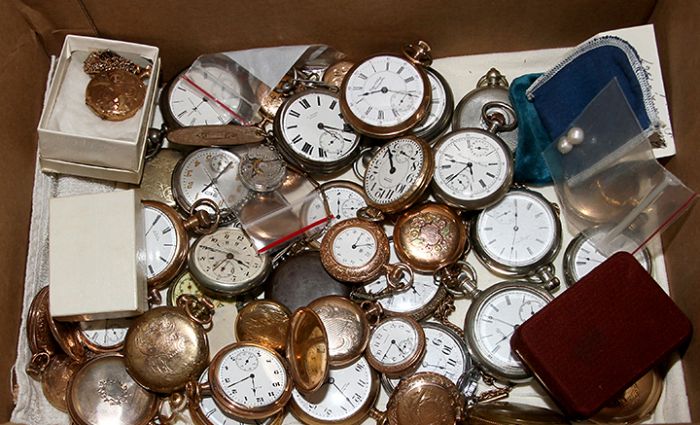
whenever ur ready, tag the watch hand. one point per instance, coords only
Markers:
(386, 353)
(213, 183)
(364, 244)
(398, 347)
(332, 133)
(209, 248)
(392, 169)
(356, 242)
(502, 321)
(346, 128)
(343, 394)
(241, 380)
(216, 266)
(338, 215)
(252, 381)
(404, 92)
(454, 176)
(407, 156)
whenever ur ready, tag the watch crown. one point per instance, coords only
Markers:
(419, 53)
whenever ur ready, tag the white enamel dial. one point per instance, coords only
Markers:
(105, 333)
(161, 241)
(417, 297)
(497, 317)
(445, 353)
(215, 415)
(344, 199)
(393, 171)
(586, 257)
(193, 96)
(384, 91)
(519, 230)
(471, 165)
(252, 377)
(227, 256)
(394, 341)
(354, 247)
(209, 173)
(313, 128)
(438, 103)
(344, 394)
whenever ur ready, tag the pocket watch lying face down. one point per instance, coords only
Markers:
(491, 320)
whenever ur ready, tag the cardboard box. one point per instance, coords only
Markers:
(92, 147)
(32, 30)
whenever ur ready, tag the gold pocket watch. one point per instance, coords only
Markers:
(396, 346)
(167, 347)
(41, 342)
(581, 256)
(429, 237)
(347, 397)
(311, 132)
(226, 264)
(263, 322)
(474, 167)
(167, 240)
(56, 378)
(398, 174)
(425, 398)
(335, 74)
(519, 237)
(357, 251)
(386, 95)
(493, 316)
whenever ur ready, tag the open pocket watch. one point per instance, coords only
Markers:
(167, 240)
(398, 174)
(493, 316)
(386, 95)
(226, 264)
(519, 237)
(311, 132)
(474, 167)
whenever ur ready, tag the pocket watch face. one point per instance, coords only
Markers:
(472, 166)
(519, 231)
(344, 199)
(251, 378)
(384, 91)
(345, 397)
(396, 341)
(397, 172)
(445, 353)
(582, 257)
(226, 262)
(415, 301)
(196, 96)
(209, 173)
(107, 333)
(354, 247)
(161, 241)
(492, 320)
(313, 129)
(439, 99)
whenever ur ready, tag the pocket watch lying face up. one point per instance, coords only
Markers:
(312, 133)
(386, 95)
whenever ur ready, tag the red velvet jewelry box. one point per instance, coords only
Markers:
(601, 335)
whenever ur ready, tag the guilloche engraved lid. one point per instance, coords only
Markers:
(307, 351)
(264, 322)
(102, 392)
(425, 398)
(346, 326)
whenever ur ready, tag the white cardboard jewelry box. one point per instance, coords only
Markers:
(97, 267)
(72, 139)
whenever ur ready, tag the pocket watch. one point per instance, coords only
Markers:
(103, 336)
(343, 198)
(167, 239)
(103, 392)
(185, 284)
(301, 279)
(262, 169)
(398, 174)
(205, 411)
(519, 237)
(439, 113)
(396, 346)
(67, 335)
(157, 177)
(210, 173)
(474, 167)
(207, 94)
(425, 398)
(347, 327)
(263, 322)
(581, 256)
(635, 404)
(311, 132)
(167, 347)
(386, 95)
(307, 351)
(249, 381)
(493, 315)
(226, 264)
(429, 237)
(41, 342)
(347, 397)
(357, 251)
(56, 378)
(446, 354)
(492, 87)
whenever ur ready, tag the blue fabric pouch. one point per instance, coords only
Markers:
(561, 94)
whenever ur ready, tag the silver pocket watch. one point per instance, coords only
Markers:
(440, 109)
